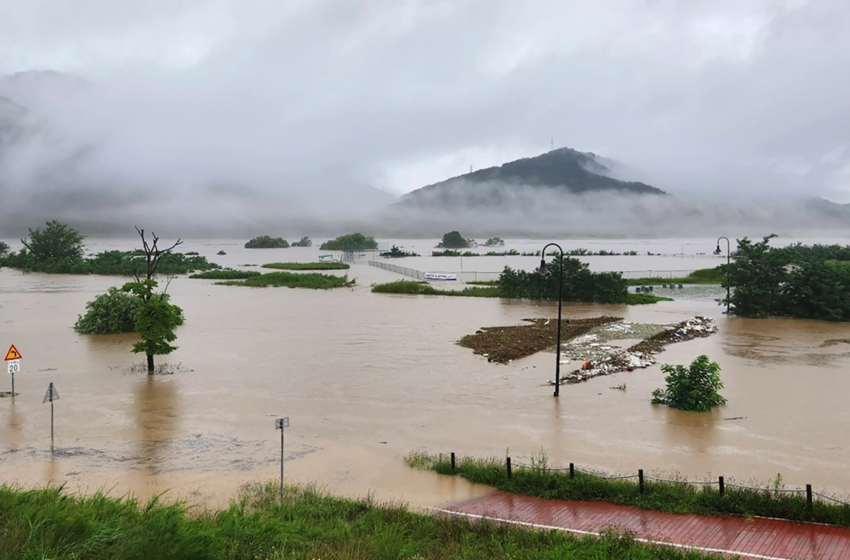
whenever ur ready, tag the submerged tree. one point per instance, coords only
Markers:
(693, 389)
(155, 319)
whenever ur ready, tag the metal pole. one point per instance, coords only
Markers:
(13, 384)
(51, 416)
(560, 303)
(728, 262)
(281, 461)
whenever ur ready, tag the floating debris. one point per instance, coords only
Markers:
(639, 356)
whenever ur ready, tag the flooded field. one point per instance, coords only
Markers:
(365, 378)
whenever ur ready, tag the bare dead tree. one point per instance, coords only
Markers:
(153, 255)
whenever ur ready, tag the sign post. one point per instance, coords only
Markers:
(51, 395)
(13, 364)
(281, 424)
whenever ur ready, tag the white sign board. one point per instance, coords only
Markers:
(13, 366)
(439, 276)
(281, 423)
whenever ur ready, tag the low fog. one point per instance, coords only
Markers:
(220, 118)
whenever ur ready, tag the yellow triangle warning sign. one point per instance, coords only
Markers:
(13, 354)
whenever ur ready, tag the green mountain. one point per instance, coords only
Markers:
(563, 170)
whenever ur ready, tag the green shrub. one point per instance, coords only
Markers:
(267, 242)
(303, 242)
(494, 242)
(397, 252)
(693, 389)
(109, 313)
(308, 266)
(4, 248)
(350, 242)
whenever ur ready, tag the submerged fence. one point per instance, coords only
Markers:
(641, 478)
(413, 273)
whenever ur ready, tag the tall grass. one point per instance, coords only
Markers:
(259, 525)
(312, 280)
(672, 497)
(308, 266)
(424, 288)
(701, 276)
(225, 274)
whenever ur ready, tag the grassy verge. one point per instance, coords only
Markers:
(642, 299)
(312, 280)
(305, 524)
(701, 276)
(424, 288)
(483, 283)
(226, 274)
(660, 496)
(308, 266)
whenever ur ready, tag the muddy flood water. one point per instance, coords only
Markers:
(366, 378)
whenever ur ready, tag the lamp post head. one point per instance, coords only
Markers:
(717, 251)
(543, 271)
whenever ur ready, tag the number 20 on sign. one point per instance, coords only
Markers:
(13, 366)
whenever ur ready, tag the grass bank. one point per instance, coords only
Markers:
(305, 524)
(543, 482)
(424, 288)
(701, 276)
(312, 280)
(479, 289)
(226, 274)
(308, 266)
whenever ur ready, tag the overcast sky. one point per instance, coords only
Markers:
(740, 97)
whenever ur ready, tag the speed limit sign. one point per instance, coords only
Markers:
(13, 366)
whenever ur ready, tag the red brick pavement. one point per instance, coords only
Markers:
(728, 535)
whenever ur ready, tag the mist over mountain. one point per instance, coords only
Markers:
(563, 171)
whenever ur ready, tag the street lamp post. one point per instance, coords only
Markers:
(543, 271)
(728, 260)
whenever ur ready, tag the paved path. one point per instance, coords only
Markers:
(728, 535)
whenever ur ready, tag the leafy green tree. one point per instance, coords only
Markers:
(757, 277)
(580, 284)
(454, 240)
(819, 290)
(693, 389)
(494, 242)
(155, 320)
(56, 246)
(303, 242)
(350, 242)
(110, 313)
(267, 242)
(4, 248)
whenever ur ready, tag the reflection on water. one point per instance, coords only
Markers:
(156, 414)
(366, 378)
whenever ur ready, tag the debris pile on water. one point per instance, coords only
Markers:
(599, 359)
(503, 344)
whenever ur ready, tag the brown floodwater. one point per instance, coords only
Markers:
(366, 378)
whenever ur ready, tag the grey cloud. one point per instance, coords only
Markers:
(219, 109)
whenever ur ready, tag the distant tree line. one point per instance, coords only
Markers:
(806, 281)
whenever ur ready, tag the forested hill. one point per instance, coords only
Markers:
(564, 169)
